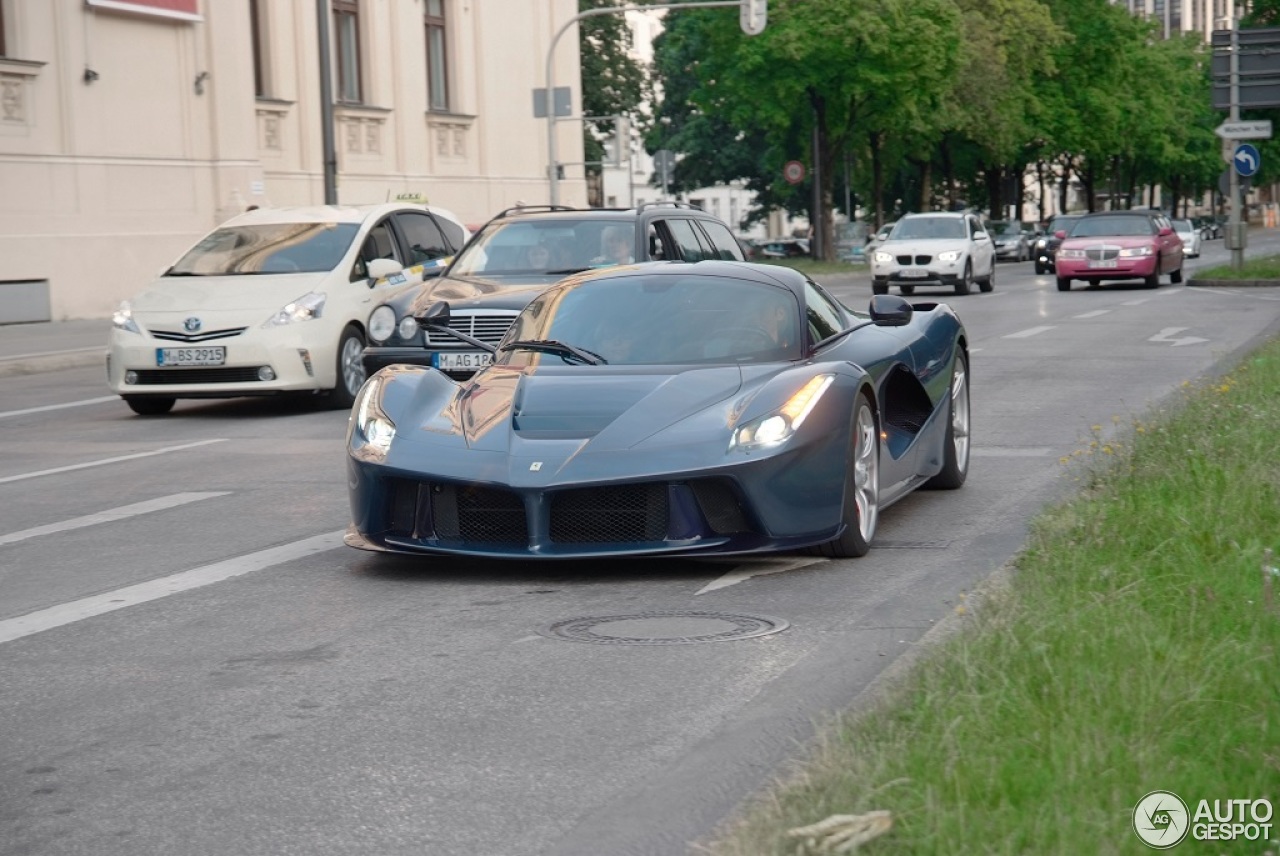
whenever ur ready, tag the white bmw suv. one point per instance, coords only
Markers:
(940, 249)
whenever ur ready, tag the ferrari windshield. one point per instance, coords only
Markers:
(662, 319)
(268, 248)
(539, 247)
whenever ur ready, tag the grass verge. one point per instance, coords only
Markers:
(1264, 267)
(1133, 648)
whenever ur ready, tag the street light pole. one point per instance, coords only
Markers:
(1235, 229)
(330, 155)
(552, 166)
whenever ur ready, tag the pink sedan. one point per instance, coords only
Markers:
(1119, 245)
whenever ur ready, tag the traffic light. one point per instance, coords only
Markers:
(753, 15)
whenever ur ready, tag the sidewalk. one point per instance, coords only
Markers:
(50, 345)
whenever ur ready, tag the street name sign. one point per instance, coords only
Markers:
(1250, 129)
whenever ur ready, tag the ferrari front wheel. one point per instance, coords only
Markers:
(955, 456)
(861, 488)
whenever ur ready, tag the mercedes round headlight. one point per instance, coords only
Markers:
(408, 327)
(382, 323)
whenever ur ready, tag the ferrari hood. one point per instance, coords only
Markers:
(503, 407)
(258, 294)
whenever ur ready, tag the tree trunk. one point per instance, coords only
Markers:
(877, 176)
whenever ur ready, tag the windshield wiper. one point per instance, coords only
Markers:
(567, 271)
(551, 346)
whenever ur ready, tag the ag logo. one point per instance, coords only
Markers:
(1161, 819)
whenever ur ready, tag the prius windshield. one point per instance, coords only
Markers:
(268, 248)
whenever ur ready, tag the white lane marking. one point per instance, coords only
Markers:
(76, 610)
(1135, 302)
(757, 568)
(1033, 331)
(104, 461)
(1167, 334)
(1169, 291)
(1094, 314)
(8, 413)
(110, 515)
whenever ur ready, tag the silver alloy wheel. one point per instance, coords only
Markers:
(866, 471)
(352, 366)
(960, 415)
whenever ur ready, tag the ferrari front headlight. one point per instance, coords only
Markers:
(777, 427)
(950, 255)
(371, 429)
(122, 318)
(306, 308)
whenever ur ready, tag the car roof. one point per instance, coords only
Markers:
(562, 212)
(951, 214)
(329, 213)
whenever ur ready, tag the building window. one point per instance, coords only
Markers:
(3, 51)
(437, 57)
(258, 33)
(346, 29)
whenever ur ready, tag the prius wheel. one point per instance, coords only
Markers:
(149, 405)
(966, 281)
(861, 489)
(350, 367)
(955, 459)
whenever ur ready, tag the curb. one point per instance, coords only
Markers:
(1232, 283)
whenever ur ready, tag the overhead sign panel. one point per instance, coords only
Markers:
(1249, 129)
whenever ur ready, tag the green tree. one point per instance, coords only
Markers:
(613, 83)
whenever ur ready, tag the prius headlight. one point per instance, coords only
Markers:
(122, 318)
(371, 429)
(308, 307)
(950, 255)
(777, 427)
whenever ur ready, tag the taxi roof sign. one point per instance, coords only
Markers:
(420, 198)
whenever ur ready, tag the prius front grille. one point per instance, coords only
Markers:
(175, 336)
(170, 377)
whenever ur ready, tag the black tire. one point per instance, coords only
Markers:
(1041, 270)
(861, 488)
(1064, 283)
(955, 459)
(1176, 276)
(1152, 281)
(149, 405)
(350, 369)
(879, 288)
(907, 290)
(988, 283)
(966, 281)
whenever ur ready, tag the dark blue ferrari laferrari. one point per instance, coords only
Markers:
(665, 408)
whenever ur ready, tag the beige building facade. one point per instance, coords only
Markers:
(129, 128)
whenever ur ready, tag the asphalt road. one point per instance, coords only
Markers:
(192, 663)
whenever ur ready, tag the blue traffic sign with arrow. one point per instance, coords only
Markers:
(1246, 159)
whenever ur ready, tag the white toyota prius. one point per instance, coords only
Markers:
(274, 300)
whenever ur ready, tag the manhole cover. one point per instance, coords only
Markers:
(665, 628)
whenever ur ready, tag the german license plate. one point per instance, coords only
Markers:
(914, 273)
(462, 361)
(211, 356)
(1108, 263)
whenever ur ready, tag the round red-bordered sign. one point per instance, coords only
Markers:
(793, 172)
